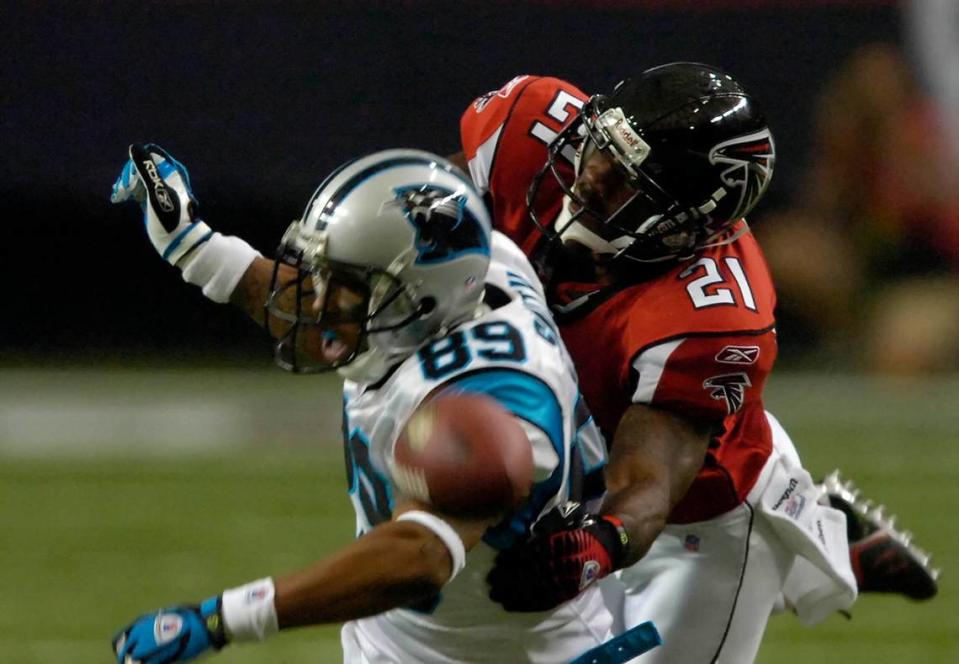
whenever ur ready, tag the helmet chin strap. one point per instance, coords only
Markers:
(576, 232)
(726, 236)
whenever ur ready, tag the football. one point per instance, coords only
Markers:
(465, 455)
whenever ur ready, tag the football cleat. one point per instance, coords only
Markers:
(884, 559)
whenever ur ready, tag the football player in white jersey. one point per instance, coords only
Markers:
(393, 278)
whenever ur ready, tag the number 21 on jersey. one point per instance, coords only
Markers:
(713, 285)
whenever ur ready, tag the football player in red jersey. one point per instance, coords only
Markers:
(636, 223)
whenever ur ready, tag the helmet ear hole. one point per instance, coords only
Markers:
(427, 305)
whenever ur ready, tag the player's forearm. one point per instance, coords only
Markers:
(393, 565)
(643, 507)
(655, 457)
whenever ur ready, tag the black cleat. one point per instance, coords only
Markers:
(884, 560)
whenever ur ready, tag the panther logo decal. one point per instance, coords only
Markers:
(445, 227)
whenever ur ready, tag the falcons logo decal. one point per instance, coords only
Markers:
(750, 161)
(730, 387)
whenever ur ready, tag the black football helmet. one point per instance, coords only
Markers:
(691, 143)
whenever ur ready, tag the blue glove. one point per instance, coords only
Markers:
(176, 634)
(161, 185)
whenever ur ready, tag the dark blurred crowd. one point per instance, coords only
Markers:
(866, 254)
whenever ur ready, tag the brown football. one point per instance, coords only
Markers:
(464, 454)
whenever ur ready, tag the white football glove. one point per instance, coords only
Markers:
(161, 185)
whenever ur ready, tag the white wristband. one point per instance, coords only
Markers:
(248, 611)
(217, 265)
(445, 532)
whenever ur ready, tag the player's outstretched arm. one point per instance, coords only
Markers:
(226, 268)
(655, 458)
(397, 563)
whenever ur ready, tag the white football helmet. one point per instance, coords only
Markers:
(392, 250)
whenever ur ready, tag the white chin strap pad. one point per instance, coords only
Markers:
(577, 232)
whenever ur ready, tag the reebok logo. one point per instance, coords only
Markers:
(160, 192)
(568, 508)
(738, 355)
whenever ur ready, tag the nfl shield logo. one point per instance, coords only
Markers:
(167, 627)
(691, 543)
(590, 573)
(794, 506)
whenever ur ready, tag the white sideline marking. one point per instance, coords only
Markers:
(78, 411)
(176, 427)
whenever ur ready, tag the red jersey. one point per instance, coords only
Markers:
(698, 340)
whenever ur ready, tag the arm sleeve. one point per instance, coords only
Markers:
(707, 377)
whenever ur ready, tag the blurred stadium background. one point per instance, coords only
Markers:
(150, 454)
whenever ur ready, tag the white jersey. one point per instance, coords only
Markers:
(514, 354)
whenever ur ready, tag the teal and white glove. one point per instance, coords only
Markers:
(161, 185)
(175, 634)
(184, 632)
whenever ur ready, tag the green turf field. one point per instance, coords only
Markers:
(91, 538)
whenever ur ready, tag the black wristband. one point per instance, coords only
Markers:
(613, 536)
(214, 624)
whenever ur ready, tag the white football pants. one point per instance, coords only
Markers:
(710, 587)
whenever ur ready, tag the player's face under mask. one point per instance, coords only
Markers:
(600, 190)
(327, 315)
(613, 203)
(601, 203)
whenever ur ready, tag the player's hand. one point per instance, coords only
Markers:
(161, 185)
(176, 634)
(569, 550)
